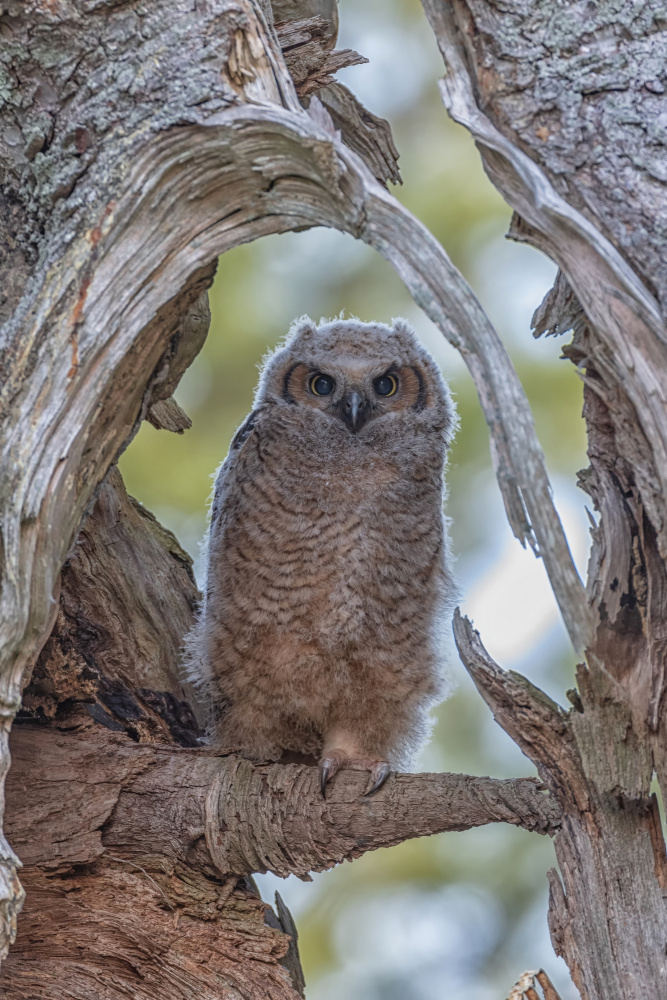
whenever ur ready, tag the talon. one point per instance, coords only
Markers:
(380, 773)
(324, 777)
(328, 768)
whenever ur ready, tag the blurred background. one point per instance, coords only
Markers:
(460, 914)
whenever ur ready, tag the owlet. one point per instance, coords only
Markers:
(328, 585)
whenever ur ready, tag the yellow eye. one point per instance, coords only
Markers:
(386, 385)
(322, 385)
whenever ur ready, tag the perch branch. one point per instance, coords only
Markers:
(127, 800)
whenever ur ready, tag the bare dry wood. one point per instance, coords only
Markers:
(231, 815)
(307, 48)
(369, 136)
(125, 176)
(613, 291)
(532, 85)
(597, 763)
(224, 155)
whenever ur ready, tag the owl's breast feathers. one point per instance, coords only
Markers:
(338, 537)
(327, 581)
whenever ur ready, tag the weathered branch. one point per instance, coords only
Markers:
(236, 817)
(523, 711)
(127, 598)
(369, 136)
(537, 724)
(445, 296)
(307, 46)
(619, 305)
(598, 767)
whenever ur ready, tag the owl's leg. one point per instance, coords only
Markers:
(342, 750)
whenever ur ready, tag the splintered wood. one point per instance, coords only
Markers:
(526, 987)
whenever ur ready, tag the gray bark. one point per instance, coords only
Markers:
(565, 107)
(138, 142)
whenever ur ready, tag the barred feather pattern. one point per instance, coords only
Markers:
(328, 586)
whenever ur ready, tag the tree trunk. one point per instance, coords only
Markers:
(138, 143)
(554, 99)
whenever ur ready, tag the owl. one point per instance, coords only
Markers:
(328, 582)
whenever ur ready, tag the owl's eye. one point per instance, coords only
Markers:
(386, 385)
(322, 385)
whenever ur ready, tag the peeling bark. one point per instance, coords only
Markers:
(113, 803)
(140, 141)
(564, 106)
(369, 136)
(307, 48)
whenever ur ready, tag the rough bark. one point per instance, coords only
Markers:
(138, 142)
(224, 815)
(184, 156)
(127, 598)
(563, 105)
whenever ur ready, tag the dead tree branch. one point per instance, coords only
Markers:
(235, 816)
(533, 88)
(87, 351)
(150, 168)
(618, 303)
(603, 788)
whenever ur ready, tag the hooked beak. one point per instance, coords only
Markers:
(354, 410)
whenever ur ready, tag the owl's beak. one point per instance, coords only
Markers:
(354, 410)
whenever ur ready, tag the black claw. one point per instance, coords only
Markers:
(381, 775)
(325, 771)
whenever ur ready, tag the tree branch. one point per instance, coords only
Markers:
(98, 792)
(624, 313)
(537, 724)
(444, 295)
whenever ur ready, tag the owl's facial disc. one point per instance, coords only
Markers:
(354, 391)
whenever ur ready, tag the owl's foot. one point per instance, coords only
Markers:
(337, 760)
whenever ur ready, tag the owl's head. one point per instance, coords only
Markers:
(357, 373)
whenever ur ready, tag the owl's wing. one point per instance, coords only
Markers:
(235, 450)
